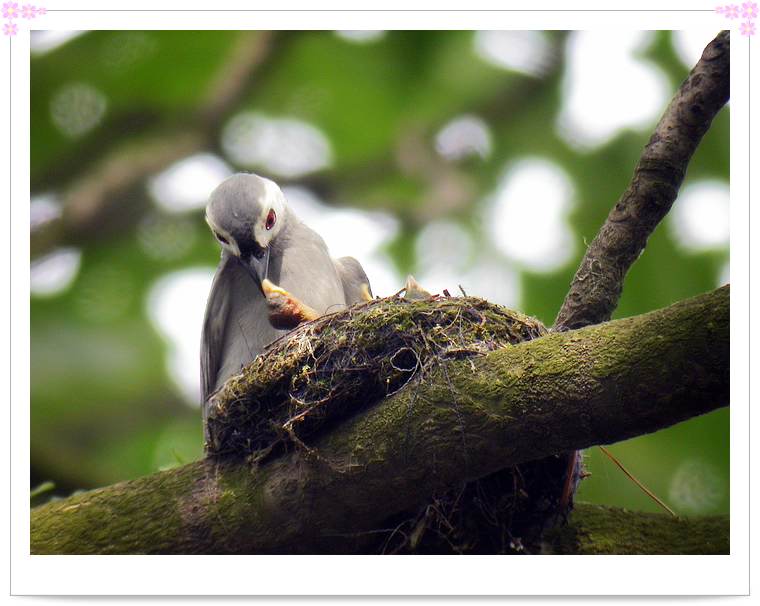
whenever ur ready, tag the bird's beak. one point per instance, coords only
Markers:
(258, 266)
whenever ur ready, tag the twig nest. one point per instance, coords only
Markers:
(342, 363)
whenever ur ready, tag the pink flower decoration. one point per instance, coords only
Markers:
(749, 10)
(731, 11)
(720, 9)
(10, 11)
(28, 11)
(10, 29)
(41, 10)
(747, 28)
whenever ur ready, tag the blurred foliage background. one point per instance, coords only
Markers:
(480, 159)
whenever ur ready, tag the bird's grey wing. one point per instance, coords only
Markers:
(236, 327)
(214, 324)
(307, 271)
(355, 282)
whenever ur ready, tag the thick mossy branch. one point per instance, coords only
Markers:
(599, 530)
(598, 283)
(469, 418)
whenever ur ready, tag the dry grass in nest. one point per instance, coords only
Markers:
(341, 363)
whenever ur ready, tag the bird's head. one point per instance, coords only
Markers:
(245, 214)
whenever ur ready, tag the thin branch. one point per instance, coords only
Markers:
(636, 481)
(598, 283)
(564, 391)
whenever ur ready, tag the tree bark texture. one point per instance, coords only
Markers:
(467, 419)
(599, 530)
(598, 283)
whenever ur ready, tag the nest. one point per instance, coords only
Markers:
(339, 364)
(336, 366)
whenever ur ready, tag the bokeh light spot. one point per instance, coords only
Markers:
(282, 146)
(44, 41)
(463, 137)
(690, 43)
(527, 52)
(187, 184)
(77, 108)
(176, 306)
(527, 216)
(700, 219)
(486, 278)
(43, 209)
(696, 487)
(607, 88)
(361, 36)
(55, 272)
(443, 245)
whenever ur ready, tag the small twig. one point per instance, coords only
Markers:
(649, 493)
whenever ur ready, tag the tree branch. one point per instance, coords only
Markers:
(469, 418)
(598, 283)
(598, 530)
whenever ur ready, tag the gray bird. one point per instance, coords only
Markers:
(267, 253)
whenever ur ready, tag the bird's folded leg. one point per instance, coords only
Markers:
(285, 310)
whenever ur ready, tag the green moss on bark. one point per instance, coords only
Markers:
(467, 420)
(598, 530)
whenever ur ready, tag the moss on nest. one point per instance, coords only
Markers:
(341, 363)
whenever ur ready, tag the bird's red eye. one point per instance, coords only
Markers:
(271, 218)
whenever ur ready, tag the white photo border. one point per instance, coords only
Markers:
(370, 575)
